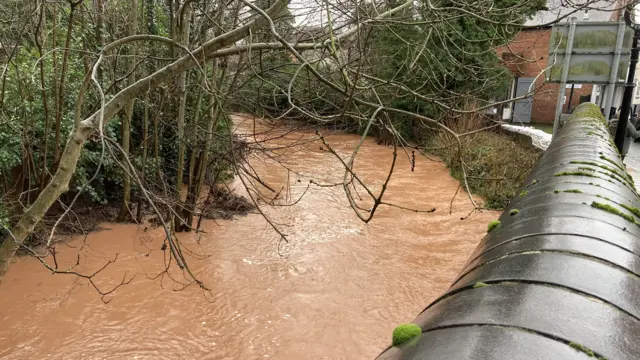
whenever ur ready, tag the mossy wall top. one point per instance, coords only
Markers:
(586, 111)
(557, 274)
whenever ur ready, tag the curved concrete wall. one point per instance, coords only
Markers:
(558, 278)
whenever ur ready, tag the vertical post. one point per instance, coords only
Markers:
(613, 76)
(570, 97)
(627, 98)
(565, 74)
(594, 92)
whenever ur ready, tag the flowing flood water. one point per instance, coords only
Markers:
(335, 291)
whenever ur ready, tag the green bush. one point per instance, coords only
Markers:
(497, 163)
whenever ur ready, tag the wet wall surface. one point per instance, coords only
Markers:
(558, 277)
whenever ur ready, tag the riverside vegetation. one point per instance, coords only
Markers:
(126, 105)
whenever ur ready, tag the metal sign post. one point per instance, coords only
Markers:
(565, 74)
(629, 85)
(611, 87)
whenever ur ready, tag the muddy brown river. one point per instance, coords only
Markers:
(335, 291)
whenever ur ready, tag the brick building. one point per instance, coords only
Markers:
(528, 55)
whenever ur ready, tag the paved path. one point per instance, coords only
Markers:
(632, 161)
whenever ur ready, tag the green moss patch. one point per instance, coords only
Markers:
(574, 173)
(524, 193)
(576, 191)
(492, 225)
(588, 110)
(634, 210)
(582, 348)
(613, 210)
(586, 350)
(405, 332)
(622, 174)
(612, 162)
(514, 212)
(621, 181)
(594, 133)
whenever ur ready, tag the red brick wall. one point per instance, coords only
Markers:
(527, 56)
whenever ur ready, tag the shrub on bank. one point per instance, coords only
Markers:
(496, 162)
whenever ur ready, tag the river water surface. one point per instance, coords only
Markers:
(335, 291)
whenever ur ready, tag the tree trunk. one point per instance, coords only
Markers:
(58, 185)
(194, 158)
(171, 5)
(151, 17)
(61, 94)
(85, 43)
(145, 135)
(203, 161)
(98, 7)
(185, 22)
(126, 124)
(45, 147)
(156, 145)
(124, 213)
(54, 54)
(199, 163)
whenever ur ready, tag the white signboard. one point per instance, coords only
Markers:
(506, 113)
(592, 52)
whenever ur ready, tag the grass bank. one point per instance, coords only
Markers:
(496, 162)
